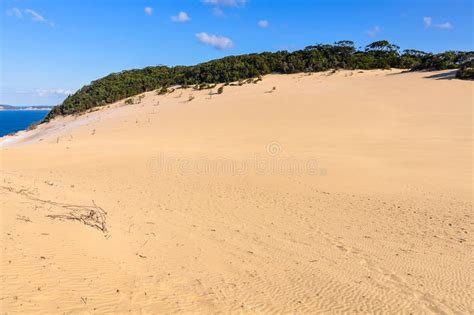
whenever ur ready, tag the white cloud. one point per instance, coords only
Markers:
(54, 92)
(218, 12)
(373, 31)
(226, 3)
(182, 17)
(427, 20)
(15, 12)
(148, 10)
(263, 23)
(444, 26)
(218, 42)
(33, 15)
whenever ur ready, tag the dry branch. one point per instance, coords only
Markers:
(93, 216)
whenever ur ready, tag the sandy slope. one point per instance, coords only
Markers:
(349, 192)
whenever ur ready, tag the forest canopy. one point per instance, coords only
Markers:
(322, 57)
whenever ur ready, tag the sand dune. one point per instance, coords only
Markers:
(346, 192)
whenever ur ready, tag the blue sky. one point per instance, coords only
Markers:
(50, 48)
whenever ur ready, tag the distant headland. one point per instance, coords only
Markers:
(36, 107)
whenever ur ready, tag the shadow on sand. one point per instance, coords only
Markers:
(448, 75)
(445, 75)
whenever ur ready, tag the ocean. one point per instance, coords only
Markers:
(15, 120)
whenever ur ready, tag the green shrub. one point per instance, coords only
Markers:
(466, 71)
(162, 91)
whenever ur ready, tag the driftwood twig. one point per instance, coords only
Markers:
(93, 216)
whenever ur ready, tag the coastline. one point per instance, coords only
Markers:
(26, 108)
(14, 121)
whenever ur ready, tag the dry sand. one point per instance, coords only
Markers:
(345, 192)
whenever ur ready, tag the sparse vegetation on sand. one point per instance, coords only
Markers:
(321, 57)
(162, 91)
(130, 101)
(33, 126)
(204, 86)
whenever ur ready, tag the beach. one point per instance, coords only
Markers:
(332, 192)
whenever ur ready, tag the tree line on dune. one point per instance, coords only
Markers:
(321, 57)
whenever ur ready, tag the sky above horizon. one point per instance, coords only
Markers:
(51, 48)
